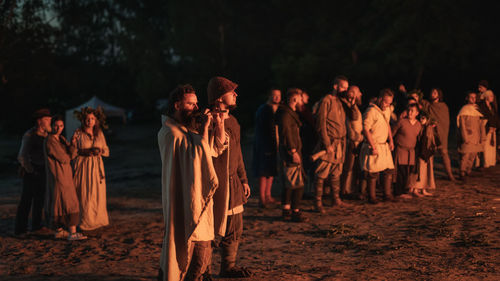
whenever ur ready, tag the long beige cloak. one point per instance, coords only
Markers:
(188, 184)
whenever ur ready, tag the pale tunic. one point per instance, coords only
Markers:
(425, 177)
(90, 181)
(490, 150)
(377, 122)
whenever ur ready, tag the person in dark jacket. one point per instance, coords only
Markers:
(232, 177)
(291, 155)
(265, 147)
(32, 160)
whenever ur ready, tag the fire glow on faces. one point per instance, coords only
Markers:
(58, 127)
(90, 120)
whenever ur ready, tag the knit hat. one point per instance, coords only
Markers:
(40, 113)
(217, 87)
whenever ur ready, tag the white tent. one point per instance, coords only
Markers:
(109, 110)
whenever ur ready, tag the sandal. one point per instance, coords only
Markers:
(76, 236)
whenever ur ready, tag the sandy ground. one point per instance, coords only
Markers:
(454, 235)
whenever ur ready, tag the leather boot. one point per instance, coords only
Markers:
(387, 184)
(335, 183)
(447, 167)
(228, 263)
(362, 189)
(372, 187)
(319, 195)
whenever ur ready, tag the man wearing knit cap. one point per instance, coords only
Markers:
(32, 160)
(233, 189)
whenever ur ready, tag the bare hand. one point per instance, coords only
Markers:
(296, 157)
(96, 151)
(208, 120)
(246, 189)
(374, 151)
(329, 149)
(391, 146)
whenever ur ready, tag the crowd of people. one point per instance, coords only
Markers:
(347, 154)
(64, 183)
(344, 150)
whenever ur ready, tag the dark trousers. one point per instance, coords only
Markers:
(293, 196)
(230, 241)
(402, 177)
(33, 193)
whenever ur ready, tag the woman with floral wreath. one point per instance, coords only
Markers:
(88, 167)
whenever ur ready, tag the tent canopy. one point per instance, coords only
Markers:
(109, 110)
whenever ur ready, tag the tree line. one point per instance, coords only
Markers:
(59, 53)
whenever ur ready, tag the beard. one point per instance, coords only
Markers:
(187, 118)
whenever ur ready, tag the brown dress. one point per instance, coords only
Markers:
(62, 201)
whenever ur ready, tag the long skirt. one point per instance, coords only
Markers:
(425, 175)
(490, 151)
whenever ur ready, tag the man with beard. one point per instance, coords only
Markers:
(351, 173)
(438, 110)
(291, 155)
(188, 185)
(32, 160)
(265, 149)
(331, 128)
(234, 189)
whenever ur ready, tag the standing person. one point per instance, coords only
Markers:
(90, 180)
(487, 108)
(63, 202)
(471, 134)
(234, 190)
(351, 173)
(483, 89)
(428, 141)
(405, 135)
(265, 149)
(188, 185)
(32, 161)
(439, 112)
(331, 128)
(400, 98)
(291, 155)
(375, 155)
(307, 131)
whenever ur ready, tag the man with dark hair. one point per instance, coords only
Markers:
(188, 184)
(290, 147)
(265, 149)
(438, 110)
(375, 155)
(32, 160)
(331, 128)
(234, 189)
